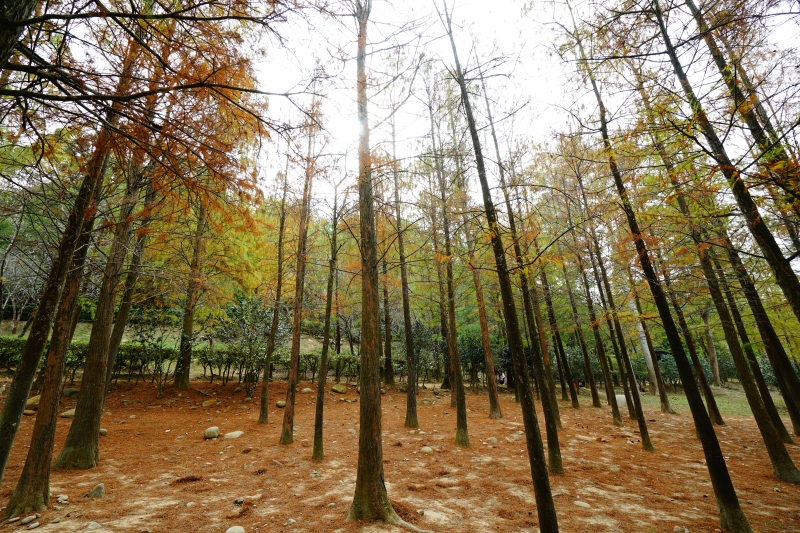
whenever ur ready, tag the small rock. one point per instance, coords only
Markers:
(34, 525)
(68, 414)
(190, 504)
(677, 529)
(421, 512)
(234, 434)
(621, 399)
(238, 501)
(12, 520)
(314, 474)
(436, 392)
(492, 440)
(383, 391)
(70, 393)
(132, 416)
(306, 390)
(235, 529)
(280, 403)
(331, 504)
(103, 432)
(57, 507)
(33, 403)
(56, 520)
(422, 432)
(248, 400)
(92, 526)
(211, 433)
(99, 491)
(427, 449)
(339, 388)
(28, 412)
(209, 403)
(583, 504)
(290, 522)
(237, 389)
(351, 431)
(28, 520)
(402, 388)
(520, 432)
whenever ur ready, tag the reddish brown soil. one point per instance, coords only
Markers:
(160, 475)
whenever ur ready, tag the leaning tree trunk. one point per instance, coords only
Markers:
(731, 514)
(581, 340)
(32, 492)
(548, 521)
(713, 361)
(82, 447)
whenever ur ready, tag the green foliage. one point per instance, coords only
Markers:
(10, 350)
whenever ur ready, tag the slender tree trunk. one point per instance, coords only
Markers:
(731, 514)
(32, 492)
(551, 314)
(287, 431)
(548, 521)
(458, 393)
(788, 380)
(370, 501)
(711, 348)
(581, 341)
(388, 370)
(411, 359)
(781, 268)
(83, 207)
(758, 377)
(183, 367)
(319, 450)
(263, 416)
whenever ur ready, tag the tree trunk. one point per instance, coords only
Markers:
(263, 415)
(182, 369)
(370, 501)
(319, 450)
(411, 358)
(32, 492)
(731, 514)
(581, 341)
(548, 521)
(388, 370)
(712, 349)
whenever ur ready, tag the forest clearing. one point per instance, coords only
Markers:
(161, 475)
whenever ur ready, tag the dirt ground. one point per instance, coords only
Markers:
(161, 475)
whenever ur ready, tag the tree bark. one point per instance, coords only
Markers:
(370, 501)
(548, 521)
(32, 492)
(263, 416)
(582, 341)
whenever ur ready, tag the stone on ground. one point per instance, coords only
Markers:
(92, 526)
(280, 403)
(339, 388)
(427, 449)
(582, 504)
(68, 414)
(211, 433)
(234, 434)
(235, 529)
(306, 390)
(99, 491)
(33, 403)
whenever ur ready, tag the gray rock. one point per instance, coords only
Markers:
(12, 520)
(211, 433)
(56, 520)
(314, 474)
(678, 529)
(306, 390)
(290, 522)
(621, 399)
(339, 389)
(70, 393)
(351, 431)
(209, 403)
(280, 403)
(234, 434)
(132, 416)
(235, 529)
(402, 388)
(248, 400)
(422, 432)
(28, 520)
(238, 501)
(103, 432)
(92, 526)
(2, 389)
(427, 449)
(492, 440)
(99, 491)
(331, 504)
(237, 389)
(33, 403)
(34, 525)
(68, 414)
(582, 504)
(28, 412)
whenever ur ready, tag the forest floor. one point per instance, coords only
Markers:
(161, 475)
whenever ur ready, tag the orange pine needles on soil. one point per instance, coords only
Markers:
(161, 475)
